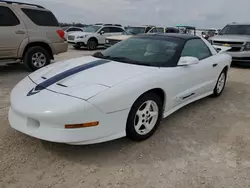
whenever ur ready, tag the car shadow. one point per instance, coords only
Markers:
(10, 73)
(240, 65)
(85, 49)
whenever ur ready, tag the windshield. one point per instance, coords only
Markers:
(236, 30)
(91, 29)
(135, 30)
(143, 51)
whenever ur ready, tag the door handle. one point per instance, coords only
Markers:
(20, 32)
(215, 64)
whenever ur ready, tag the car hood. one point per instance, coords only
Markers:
(231, 38)
(119, 37)
(84, 77)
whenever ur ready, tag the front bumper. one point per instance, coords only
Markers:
(243, 56)
(111, 126)
(45, 114)
(79, 42)
(107, 45)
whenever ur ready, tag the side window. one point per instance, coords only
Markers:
(7, 17)
(71, 29)
(160, 30)
(153, 30)
(116, 30)
(78, 29)
(106, 30)
(41, 18)
(196, 48)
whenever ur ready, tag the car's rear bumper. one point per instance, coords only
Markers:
(60, 47)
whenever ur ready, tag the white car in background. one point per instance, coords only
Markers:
(69, 30)
(123, 91)
(73, 29)
(129, 32)
(94, 35)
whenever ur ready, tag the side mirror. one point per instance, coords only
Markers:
(218, 50)
(102, 32)
(188, 60)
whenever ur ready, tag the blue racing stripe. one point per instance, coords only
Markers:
(65, 74)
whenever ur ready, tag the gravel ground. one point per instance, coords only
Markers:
(203, 145)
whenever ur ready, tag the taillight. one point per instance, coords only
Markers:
(61, 34)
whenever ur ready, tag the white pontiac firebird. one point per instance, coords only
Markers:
(123, 91)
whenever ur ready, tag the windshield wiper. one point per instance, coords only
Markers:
(127, 60)
(120, 59)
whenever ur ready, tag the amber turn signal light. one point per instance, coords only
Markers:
(75, 126)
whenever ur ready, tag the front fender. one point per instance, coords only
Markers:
(28, 41)
(122, 96)
(22, 46)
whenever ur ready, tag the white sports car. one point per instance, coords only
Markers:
(123, 91)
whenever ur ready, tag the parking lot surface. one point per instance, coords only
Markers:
(203, 145)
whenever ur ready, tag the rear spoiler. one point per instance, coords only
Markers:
(221, 49)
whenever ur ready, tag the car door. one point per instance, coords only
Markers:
(197, 79)
(12, 33)
(103, 36)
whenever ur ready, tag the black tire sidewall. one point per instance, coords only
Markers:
(130, 129)
(88, 44)
(215, 93)
(28, 57)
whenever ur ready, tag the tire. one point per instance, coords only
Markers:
(92, 44)
(36, 52)
(136, 128)
(77, 47)
(220, 85)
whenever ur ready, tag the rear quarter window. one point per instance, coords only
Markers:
(41, 17)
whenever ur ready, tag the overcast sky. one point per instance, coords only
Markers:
(200, 13)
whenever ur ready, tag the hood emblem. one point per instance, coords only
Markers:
(227, 45)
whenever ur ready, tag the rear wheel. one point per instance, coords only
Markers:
(220, 85)
(92, 44)
(36, 57)
(144, 117)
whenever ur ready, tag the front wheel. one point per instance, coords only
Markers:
(220, 85)
(144, 117)
(92, 44)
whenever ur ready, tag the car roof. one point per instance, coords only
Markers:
(21, 4)
(234, 23)
(174, 35)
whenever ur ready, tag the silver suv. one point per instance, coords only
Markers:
(236, 36)
(29, 33)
